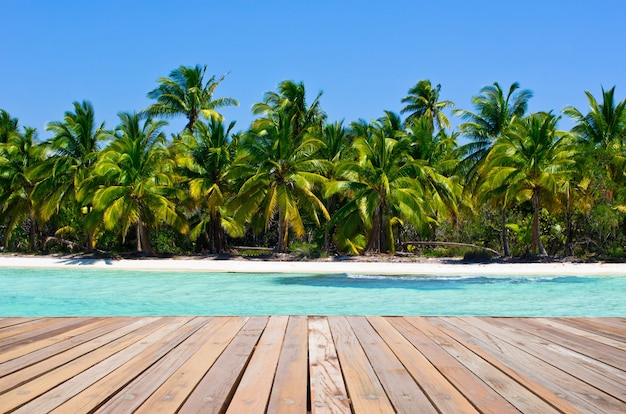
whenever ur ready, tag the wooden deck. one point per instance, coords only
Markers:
(299, 364)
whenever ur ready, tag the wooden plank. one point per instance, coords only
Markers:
(614, 325)
(15, 320)
(328, 390)
(58, 385)
(594, 326)
(440, 391)
(577, 365)
(49, 327)
(366, 393)
(503, 346)
(514, 392)
(404, 393)
(99, 391)
(253, 391)
(26, 326)
(591, 348)
(583, 333)
(432, 343)
(20, 374)
(451, 326)
(289, 391)
(216, 388)
(159, 390)
(35, 345)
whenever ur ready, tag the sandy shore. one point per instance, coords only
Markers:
(340, 265)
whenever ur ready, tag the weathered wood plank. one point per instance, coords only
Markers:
(254, 389)
(238, 364)
(433, 344)
(15, 391)
(216, 388)
(453, 329)
(595, 327)
(365, 390)
(14, 320)
(289, 391)
(605, 353)
(328, 390)
(59, 385)
(397, 332)
(48, 328)
(175, 389)
(494, 374)
(35, 357)
(558, 324)
(99, 391)
(604, 377)
(65, 335)
(139, 389)
(404, 393)
(503, 345)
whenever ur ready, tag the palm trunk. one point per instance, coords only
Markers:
(569, 242)
(283, 233)
(216, 233)
(536, 244)
(377, 239)
(32, 246)
(143, 241)
(505, 240)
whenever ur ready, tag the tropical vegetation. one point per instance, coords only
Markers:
(503, 179)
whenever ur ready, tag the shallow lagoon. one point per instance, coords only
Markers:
(77, 292)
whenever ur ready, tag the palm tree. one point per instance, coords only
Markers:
(603, 131)
(290, 102)
(185, 92)
(279, 166)
(74, 149)
(18, 155)
(530, 163)
(494, 116)
(423, 101)
(280, 175)
(204, 159)
(604, 124)
(8, 126)
(137, 176)
(386, 186)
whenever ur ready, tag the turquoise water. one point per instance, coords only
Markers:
(65, 292)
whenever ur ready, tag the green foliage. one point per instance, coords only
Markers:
(369, 186)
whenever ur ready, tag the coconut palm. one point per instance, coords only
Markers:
(494, 115)
(185, 92)
(603, 132)
(204, 159)
(8, 126)
(74, 148)
(385, 186)
(279, 166)
(280, 175)
(530, 162)
(136, 173)
(423, 101)
(290, 102)
(18, 155)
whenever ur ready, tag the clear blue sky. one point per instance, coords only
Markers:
(364, 55)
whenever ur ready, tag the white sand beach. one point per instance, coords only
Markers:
(453, 267)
